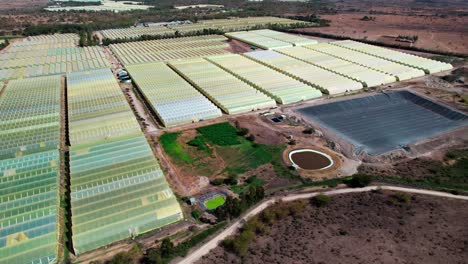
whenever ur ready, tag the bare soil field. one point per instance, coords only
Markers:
(375, 227)
(23, 4)
(434, 32)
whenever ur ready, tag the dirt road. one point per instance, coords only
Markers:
(213, 243)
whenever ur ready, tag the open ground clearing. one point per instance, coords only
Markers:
(435, 33)
(377, 227)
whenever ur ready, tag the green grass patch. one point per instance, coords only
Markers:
(222, 134)
(215, 202)
(173, 148)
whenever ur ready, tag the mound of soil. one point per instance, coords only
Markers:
(364, 228)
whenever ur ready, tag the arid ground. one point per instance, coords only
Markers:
(376, 227)
(434, 32)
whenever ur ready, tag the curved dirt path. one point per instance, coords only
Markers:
(195, 255)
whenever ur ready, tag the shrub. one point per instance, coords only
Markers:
(309, 130)
(402, 197)
(321, 200)
(359, 180)
(250, 138)
(196, 214)
(242, 131)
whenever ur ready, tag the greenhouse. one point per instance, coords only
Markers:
(30, 116)
(295, 40)
(328, 82)
(368, 77)
(257, 40)
(97, 108)
(399, 71)
(170, 95)
(118, 189)
(169, 49)
(228, 92)
(48, 55)
(427, 65)
(282, 88)
(29, 173)
(28, 208)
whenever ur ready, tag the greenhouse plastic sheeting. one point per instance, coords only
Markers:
(173, 100)
(30, 114)
(399, 71)
(118, 190)
(97, 108)
(228, 92)
(282, 88)
(289, 38)
(368, 77)
(169, 49)
(327, 81)
(28, 208)
(387, 121)
(428, 65)
(258, 40)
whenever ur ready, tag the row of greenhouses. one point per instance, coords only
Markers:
(226, 25)
(366, 76)
(171, 98)
(29, 170)
(327, 81)
(169, 49)
(30, 116)
(427, 65)
(399, 71)
(118, 189)
(270, 39)
(228, 92)
(282, 88)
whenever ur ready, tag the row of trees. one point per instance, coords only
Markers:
(234, 207)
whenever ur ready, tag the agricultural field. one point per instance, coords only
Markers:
(172, 99)
(219, 152)
(270, 39)
(399, 71)
(118, 189)
(29, 170)
(48, 55)
(224, 25)
(169, 49)
(282, 88)
(328, 82)
(228, 92)
(368, 77)
(363, 227)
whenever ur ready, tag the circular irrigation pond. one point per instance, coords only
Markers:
(309, 159)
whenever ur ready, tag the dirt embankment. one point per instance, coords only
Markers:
(375, 227)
